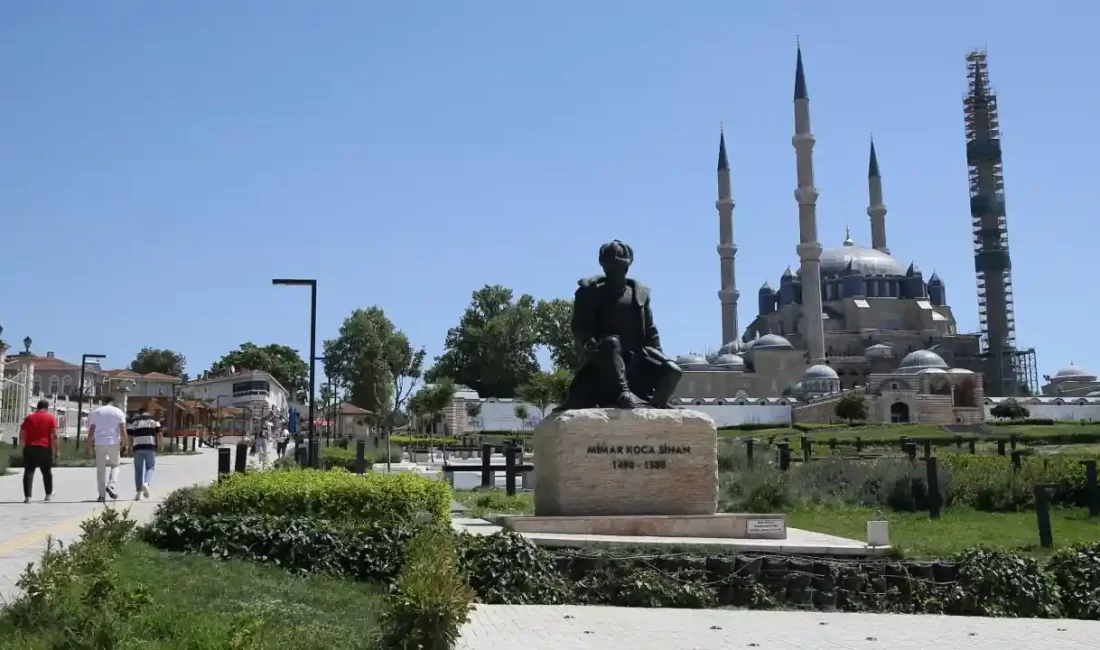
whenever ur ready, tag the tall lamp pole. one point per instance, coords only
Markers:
(80, 392)
(312, 284)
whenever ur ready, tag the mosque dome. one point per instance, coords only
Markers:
(819, 372)
(771, 341)
(879, 351)
(921, 359)
(861, 260)
(691, 361)
(1074, 373)
(729, 361)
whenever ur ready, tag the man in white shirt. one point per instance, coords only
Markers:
(107, 432)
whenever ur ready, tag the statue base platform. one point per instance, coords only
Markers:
(728, 526)
(621, 463)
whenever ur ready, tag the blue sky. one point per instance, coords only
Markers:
(161, 161)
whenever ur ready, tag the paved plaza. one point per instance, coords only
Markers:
(619, 628)
(24, 528)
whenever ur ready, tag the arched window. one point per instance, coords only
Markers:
(37, 387)
(55, 384)
(66, 385)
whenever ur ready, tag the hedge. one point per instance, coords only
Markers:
(506, 568)
(329, 495)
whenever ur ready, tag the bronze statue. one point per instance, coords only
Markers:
(613, 324)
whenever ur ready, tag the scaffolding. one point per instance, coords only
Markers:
(1006, 370)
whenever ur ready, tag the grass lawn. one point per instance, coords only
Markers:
(915, 535)
(204, 604)
(495, 502)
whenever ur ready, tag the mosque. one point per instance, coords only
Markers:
(848, 318)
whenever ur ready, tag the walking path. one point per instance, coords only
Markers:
(534, 627)
(24, 528)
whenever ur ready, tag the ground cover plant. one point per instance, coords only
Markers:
(495, 501)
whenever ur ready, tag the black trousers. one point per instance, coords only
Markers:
(37, 458)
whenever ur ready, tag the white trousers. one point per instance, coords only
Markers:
(261, 450)
(106, 457)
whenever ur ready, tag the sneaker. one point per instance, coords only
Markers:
(111, 492)
(137, 497)
(26, 499)
(145, 491)
(48, 497)
(101, 500)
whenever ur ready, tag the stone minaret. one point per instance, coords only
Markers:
(727, 250)
(875, 208)
(809, 249)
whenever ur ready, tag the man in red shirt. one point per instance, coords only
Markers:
(40, 448)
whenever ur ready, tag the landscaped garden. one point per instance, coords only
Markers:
(310, 559)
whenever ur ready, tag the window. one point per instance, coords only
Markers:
(37, 388)
(66, 385)
(245, 388)
(55, 384)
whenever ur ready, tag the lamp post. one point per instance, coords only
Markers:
(80, 392)
(312, 284)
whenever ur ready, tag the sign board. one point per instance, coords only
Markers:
(759, 526)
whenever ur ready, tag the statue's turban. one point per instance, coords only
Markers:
(616, 250)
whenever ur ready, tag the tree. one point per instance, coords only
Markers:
(1010, 409)
(522, 412)
(545, 388)
(375, 361)
(492, 350)
(473, 409)
(554, 320)
(281, 361)
(167, 362)
(431, 402)
(851, 407)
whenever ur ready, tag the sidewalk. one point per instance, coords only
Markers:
(24, 528)
(533, 627)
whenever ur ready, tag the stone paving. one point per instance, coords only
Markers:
(24, 528)
(617, 628)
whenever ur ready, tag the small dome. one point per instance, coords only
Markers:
(935, 280)
(920, 359)
(1072, 372)
(819, 372)
(771, 341)
(733, 347)
(960, 371)
(729, 360)
(1095, 393)
(879, 351)
(766, 288)
(691, 361)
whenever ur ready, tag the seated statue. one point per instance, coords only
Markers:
(612, 323)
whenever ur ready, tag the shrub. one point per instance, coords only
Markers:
(988, 482)
(1010, 409)
(334, 495)
(432, 601)
(364, 551)
(1077, 573)
(508, 569)
(1000, 583)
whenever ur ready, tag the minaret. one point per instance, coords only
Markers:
(809, 249)
(876, 209)
(728, 294)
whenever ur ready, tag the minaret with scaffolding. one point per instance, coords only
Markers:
(1005, 367)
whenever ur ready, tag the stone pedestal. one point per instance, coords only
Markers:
(612, 462)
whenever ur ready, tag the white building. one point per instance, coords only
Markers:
(253, 389)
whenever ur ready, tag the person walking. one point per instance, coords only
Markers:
(146, 440)
(107, 432)
(40, 448)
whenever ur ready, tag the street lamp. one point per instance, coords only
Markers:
(80, 392)
(312, 284)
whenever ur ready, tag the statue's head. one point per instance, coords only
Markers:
(616, 258)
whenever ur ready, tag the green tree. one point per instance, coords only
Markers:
(281, 361)
(432, 401)
(546, 388)
(554, 320)
(166, 362)
(1010, 409)
(473, 409)
(522, 412)
(851, 407)
(492, 350)
(374, 360)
